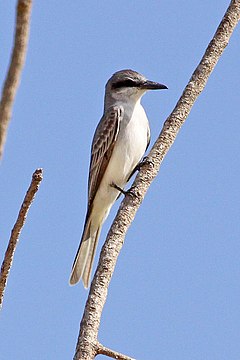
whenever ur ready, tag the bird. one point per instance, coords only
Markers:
(119, 143)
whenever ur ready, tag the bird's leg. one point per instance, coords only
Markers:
(118, 188)
(124, 192)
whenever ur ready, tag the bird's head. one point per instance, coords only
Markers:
(127, 85)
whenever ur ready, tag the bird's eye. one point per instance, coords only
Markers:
(124, 83)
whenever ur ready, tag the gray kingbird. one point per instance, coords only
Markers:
(119, 143)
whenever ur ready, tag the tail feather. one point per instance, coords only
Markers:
(80, 262)
(83, 262)
(89, 263)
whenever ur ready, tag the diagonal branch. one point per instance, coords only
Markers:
(8, 258)
(15, 68)
(86, 346)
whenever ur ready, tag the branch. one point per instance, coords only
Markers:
(111, 353)
(8, 258)
(15, 68)
(87, 340)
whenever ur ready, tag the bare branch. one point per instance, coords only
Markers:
(103, 350)
(87, 340)
(8, 258)
(15, 68)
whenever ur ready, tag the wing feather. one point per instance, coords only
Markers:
(102, 146)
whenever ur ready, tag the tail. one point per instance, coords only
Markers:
(82, 266)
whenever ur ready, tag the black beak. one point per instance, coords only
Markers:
(151, 85)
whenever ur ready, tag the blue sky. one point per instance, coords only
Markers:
(175, 292)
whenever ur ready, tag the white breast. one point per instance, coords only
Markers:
(130, 146)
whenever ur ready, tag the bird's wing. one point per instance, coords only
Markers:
(102, 146)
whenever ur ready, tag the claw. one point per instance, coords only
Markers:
(145, 161)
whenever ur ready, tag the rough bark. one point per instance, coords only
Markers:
(8, 258)
(87, 345)
(15, 67)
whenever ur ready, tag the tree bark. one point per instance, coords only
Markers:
(87, 345)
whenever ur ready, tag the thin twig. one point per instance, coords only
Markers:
(8, 258)
(103, 350)
(15, 68)
(87, 340)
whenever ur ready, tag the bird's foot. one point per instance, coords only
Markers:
(145, 161)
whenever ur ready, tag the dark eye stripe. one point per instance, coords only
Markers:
(124, 83)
